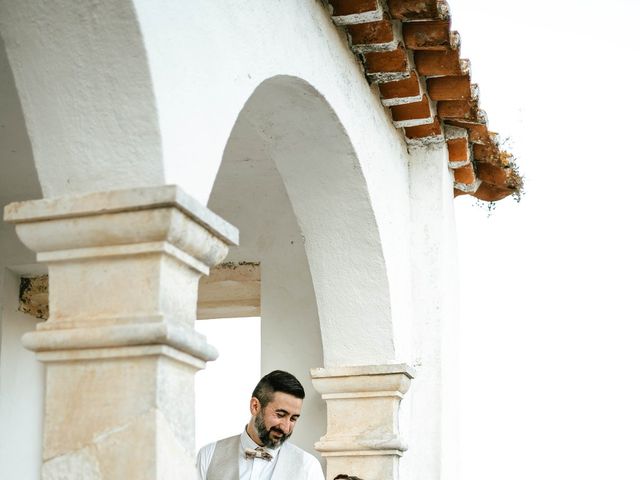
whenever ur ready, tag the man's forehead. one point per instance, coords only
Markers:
(287, 402)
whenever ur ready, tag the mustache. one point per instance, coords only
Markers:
(277, 430)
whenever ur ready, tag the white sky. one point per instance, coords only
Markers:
(236, 371)
(550, 353)
(550, 331)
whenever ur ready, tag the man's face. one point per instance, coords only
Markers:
(274, 422)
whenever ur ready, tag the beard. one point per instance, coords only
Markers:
(265, 435)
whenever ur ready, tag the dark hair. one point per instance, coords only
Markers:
(342, 476)
(277, 381)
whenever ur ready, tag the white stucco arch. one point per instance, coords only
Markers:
(236, 46)
(85, 88)
(291, 182)
(140, 93)
(288, 124)
(19, 177)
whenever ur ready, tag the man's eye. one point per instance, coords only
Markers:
(294, 419)
(280, 415)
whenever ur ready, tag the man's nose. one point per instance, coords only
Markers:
(286, 425)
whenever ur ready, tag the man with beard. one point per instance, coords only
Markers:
(260, 451)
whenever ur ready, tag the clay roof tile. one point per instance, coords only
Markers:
(424, 82)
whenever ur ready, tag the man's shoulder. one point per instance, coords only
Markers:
(205, 454)
(227, 439)
(212, 445)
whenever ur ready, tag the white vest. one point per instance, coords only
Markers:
(224, 464)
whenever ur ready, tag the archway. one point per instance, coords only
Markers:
(291, 182)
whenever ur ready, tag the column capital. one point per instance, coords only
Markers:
(363, 380)
(363, 401)
(124, 268)
(123, 222)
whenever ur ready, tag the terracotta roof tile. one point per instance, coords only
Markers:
(459, 152)
(438, 62)
(449, 88)
(412, 114)
(418, 9)
(408, 49)
(492, 193)
(372, 33)
(352, 12)
(493, 174)
(427, 130)
(386, 62)
(478, 132)
(458, 109)
(407, 90)
(350, 7)
(428, 35)
(465, 175)
(488, 152)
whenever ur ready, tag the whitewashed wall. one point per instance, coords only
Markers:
(147, 92)
(21, 389)
(429, 411)
(159, 88)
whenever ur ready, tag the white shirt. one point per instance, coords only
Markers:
(257, 468)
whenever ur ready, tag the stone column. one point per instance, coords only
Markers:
(362, 437)
(119, 345)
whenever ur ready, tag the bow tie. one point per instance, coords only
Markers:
(257, 453)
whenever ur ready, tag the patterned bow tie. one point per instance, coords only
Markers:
(257, 453)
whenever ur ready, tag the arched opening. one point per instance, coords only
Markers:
(291, 182)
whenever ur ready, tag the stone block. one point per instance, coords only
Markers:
(119, 345)
(363, 435)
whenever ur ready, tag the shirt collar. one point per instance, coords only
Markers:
(246, 442)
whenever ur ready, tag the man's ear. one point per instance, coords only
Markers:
(254, 406)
